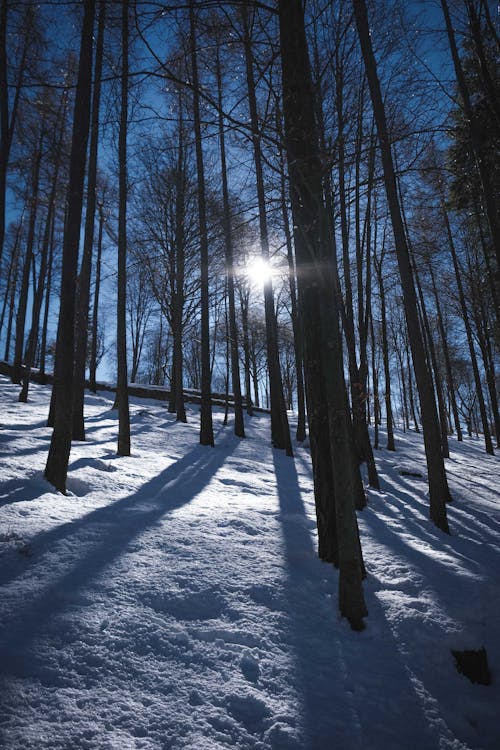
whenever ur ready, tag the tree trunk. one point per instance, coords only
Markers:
(123, 448)
(57, 462)
(83, 296)
(231, 329)
(468, 330)
(447, 361)
(433, 366)
(331, 447)
(387, 370)
(206, 426)
(246, 349)
(438, 486)
(28, 261)
(95, 308)
(280, 431)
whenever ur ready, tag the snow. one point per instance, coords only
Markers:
(174, 599)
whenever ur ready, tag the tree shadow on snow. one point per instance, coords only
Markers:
(23, 489)
(94, 542)
(340, 675)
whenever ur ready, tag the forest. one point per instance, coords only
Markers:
(275, 218)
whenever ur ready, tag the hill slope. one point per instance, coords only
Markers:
(174, 599)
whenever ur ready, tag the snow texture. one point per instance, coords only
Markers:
(174, 599)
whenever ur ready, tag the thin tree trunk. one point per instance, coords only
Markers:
(438, 486)
(28, 261)
(8, 120)
(385, 355)
(11, 282)
(410, 387)
(468, 330)
(280, 431)
(95, 308)
(4, 120)
(38, 299)
(232, 329)
(376, 401)
(206, 426)
(298, 343)
(246, 350)
(123, 448)
(446, 353)
(83, 296)
(433, 365)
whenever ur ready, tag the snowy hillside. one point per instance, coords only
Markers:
(174, 599)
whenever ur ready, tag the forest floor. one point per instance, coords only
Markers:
(174, 599)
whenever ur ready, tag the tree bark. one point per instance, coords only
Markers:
(83, 296)
(333, 462)
(206, 426)
(123, 448)
(438, 486)
(57, 462)
(28, 261)
(280, 431)
(232, 332)
(470, 340)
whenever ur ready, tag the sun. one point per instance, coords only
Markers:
(259, 271)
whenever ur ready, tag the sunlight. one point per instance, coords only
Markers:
(259, 271)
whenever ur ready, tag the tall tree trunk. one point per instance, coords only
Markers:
(57, 462)
(123, 448)
(83, 296)
(95, 307)
(48, 292)
(179, 273)
(410, 387)
(482, 325)
(232, 331)
(333, 460)
(376, 400)
(28, 261)
(298, 343)
(391, 446)
(280, 431)
(38, 299)
(470, 340)
(206, 426)
(4, 120)
(12, 278)
(433, 365)
(45, 257)
(446, 353)
(438, 486)
(246, 350)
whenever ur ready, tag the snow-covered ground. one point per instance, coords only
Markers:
(173, 599)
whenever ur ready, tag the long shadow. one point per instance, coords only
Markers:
(20, 490)
(16, 427)
(461, 517)
(312, 630)
(331, 660)
(105, 532)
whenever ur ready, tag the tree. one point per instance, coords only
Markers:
(83, 288)
(331, 448)
(57, 462)
(206, 427)
(438, 487)
(123, 448)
